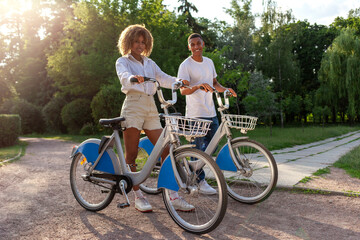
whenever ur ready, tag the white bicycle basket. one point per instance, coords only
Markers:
(242, 122)
(188, 127)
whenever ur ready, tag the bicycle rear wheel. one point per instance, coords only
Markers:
(209, 210)
(260, 176)
(149, 186)
(91, 195)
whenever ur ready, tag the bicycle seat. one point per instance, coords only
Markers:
(111, 121)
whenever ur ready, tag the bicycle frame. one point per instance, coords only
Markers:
(107, 161)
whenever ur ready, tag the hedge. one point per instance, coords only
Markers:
(10, 125)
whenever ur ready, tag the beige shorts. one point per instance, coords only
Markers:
(140, 112)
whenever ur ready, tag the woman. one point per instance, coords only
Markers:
(139, 109)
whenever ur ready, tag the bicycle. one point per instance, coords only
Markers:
(249, 168)
(97, 172)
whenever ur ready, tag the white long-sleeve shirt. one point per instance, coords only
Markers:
(127, 66)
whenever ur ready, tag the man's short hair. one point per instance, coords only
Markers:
(194, 35)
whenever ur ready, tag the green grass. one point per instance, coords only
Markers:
(292, 136)
(322, 171)
(12, 151)
(350, 163)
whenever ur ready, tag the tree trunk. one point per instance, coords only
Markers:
(281, 108)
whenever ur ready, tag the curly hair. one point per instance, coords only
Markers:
(130, 34)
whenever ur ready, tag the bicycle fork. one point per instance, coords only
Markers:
(241, 163)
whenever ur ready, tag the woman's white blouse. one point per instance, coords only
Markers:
(127, 66)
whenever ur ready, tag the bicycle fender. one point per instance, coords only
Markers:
(166, 177)
(146, 145)
(224, 160)
(89, 149)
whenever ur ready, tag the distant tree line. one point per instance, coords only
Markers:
(57, 68)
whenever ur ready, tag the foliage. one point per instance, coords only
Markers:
(107, 103)
(85, 59)
(236, 78)
(75, 114)
(239, 36)
(68, 48)
(322, 113)
(10, 126)
(31, 117)
(52, 114)
(87, 129)
(260, 101)
(340, 73)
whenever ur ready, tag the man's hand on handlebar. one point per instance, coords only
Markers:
(233, 93)
(206, 87)
(185, 82)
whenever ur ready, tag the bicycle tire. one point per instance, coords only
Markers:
(149, 186)
(90, 195)
(262, 178)
(209, 209)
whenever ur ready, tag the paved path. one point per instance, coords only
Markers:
(301, 161)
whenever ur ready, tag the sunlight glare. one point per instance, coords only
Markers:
(15, 7)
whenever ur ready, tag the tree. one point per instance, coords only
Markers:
(186, 8)
(239, 36)
(340, 71)
(260, 100)
(275, 56)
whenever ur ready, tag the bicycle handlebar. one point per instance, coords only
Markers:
(227, 94)
(165, 103)
(223, 106)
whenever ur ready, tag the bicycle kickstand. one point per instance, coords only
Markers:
(122, 185)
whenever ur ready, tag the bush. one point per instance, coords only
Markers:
(9, 129)
(107, 103)
(87, 129)
(31, 117)
(75, 114)
(52, 114)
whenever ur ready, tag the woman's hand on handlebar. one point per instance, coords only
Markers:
(139, 78)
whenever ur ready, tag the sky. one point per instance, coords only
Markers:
(314, 11)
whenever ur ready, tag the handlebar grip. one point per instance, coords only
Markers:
(135, 80)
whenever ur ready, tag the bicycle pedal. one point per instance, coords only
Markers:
(105, 191)
(123, 205)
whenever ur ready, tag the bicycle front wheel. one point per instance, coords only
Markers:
(206, 211)
(90, 194)
(257, 179)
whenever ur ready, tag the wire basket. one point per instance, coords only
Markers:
(188, 127)
(242, 122)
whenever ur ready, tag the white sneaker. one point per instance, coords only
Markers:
(205, 188)
(142, 205)
(181, 205)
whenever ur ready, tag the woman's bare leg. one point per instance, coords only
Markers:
(131, 141)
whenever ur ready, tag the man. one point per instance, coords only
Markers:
(200, 72)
